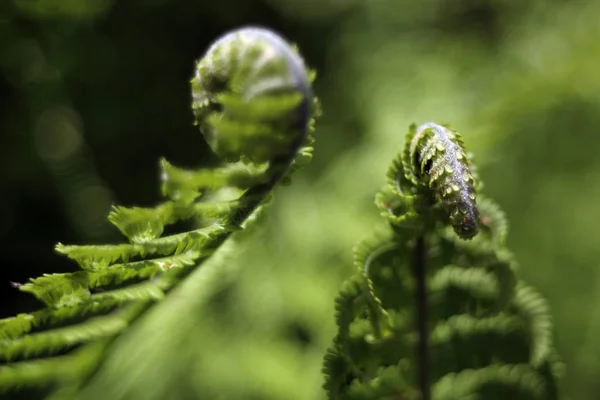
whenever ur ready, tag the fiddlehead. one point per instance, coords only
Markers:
(439, 278)
(437, 157)
(253, 101)
(435, 168)
(253, 66)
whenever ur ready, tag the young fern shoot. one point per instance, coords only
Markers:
(264, 113)
(435, 310)
(252, 99)
(438, 161)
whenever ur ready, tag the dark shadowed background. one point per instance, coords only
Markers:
(93, 92)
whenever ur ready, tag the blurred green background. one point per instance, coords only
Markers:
(93, 92)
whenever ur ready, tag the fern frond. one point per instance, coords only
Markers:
(47, 318)
(59, 290)
(261, 120)
(142, 224)
(145, 291)
(390, 384)
(337, 372)
(60, 339)
(463, 341)
(348, 301)
(443, 282)
(497, 381)
(101, 256)
(535, 308)
(451, 289)
(184, 185)
(14, 327)
(41, 373)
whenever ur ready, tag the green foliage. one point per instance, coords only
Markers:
(429, 314)
(519, 78)
(63, 345)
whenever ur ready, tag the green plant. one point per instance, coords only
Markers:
(253, 101)
(428, 314)
(426, 308)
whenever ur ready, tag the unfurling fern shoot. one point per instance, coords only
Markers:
(429, 315)
(437, 160)
(252, 96)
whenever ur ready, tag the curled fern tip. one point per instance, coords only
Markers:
(252, 97)
(439, 161)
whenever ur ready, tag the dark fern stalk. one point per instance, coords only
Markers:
(420, 274)
(435, 310)
(253, 101)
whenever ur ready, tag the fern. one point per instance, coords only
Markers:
(435, 310)
(253, 101)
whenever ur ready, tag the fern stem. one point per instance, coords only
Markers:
(419, 266)
(254, 196)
